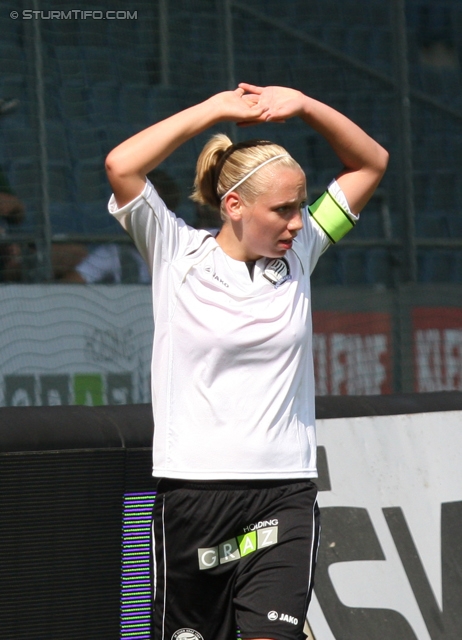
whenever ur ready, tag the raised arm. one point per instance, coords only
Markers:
(364, 159)
(128, 164)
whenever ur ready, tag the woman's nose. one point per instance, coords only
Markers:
(296, 222)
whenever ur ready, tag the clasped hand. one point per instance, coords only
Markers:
(249, 104)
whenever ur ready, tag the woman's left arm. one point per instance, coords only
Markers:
(364, 159)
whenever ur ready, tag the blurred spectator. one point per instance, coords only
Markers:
(111, 264)
(8, 105)
(14, 256)
(11, 214)
(435, 36)
(65, 257)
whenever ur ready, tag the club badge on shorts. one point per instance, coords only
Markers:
(187, 634)
(277, 272)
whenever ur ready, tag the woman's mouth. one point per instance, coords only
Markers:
(286, 244)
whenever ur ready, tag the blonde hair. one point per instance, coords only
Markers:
(222, 164)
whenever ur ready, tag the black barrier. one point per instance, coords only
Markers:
(75, 497)
(65, 476)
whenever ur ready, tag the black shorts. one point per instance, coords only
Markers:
(233, 559)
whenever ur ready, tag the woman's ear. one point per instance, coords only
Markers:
(233, 206)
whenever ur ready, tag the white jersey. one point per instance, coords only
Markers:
(232, 369)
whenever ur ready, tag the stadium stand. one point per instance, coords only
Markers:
(105, 80)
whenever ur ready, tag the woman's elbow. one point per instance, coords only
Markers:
(116, 170)
(381, 160)
(111, 165)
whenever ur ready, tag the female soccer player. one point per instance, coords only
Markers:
(235, 522)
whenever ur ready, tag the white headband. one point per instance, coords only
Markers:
(281, 155)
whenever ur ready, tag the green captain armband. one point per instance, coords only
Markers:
(330, 216)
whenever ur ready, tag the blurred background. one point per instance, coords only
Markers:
(76, 81)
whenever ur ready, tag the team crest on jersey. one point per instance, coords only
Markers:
(277, 271)
(187, 634)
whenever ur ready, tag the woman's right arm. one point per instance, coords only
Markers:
(128, 164)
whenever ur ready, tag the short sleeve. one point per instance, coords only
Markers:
(159, 235)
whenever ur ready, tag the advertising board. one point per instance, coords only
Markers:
(391, 551)
(437, 335)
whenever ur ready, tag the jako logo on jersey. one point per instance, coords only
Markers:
(273, 615)
(215, 277)
(277, 271)
(236, 548)
(187, 634)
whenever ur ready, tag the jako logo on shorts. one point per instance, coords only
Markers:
(236, 548)
(273, 616)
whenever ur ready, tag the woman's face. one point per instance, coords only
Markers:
(272, 221)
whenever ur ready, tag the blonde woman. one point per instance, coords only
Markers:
(236, 521)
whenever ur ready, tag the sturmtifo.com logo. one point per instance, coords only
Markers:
(187, 634)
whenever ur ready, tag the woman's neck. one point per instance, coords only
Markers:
(230, 240)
